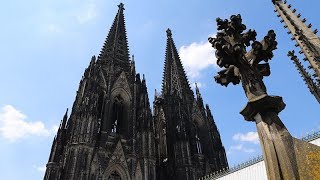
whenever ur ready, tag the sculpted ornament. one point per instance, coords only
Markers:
(240, 65)
(285, 156)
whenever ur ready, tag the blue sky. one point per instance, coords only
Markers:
(46, 45)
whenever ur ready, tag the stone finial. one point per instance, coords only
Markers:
(169, 34)
(121, 6)
(246, 67)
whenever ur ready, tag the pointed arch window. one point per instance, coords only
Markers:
(118, 111)
(163, 142)
(198, 141)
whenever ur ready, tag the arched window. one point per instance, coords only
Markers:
(197, 137)
(114, 176)
(118, 114)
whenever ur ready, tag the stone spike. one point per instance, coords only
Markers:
(155, 93)
(315, 31)
(199, 97)
(305, 37)
(314, 89)
(65, 118)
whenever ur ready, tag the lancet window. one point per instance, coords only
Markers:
(198, 142)
(163, 142)
(118, 111)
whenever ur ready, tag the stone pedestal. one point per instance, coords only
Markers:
(285, 156)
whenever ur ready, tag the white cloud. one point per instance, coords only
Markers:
(199, 84)
(196, 57)
(53, 28)
(241, 148)
(13, 125)
(54, 128)
(252, 137)
(88, 13)
(41, 169)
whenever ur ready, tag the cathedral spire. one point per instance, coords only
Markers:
(306, 39)
(115, 48)
(174, 77)
(198, 91)
(199, 97)
(64, 121)
(314, 89)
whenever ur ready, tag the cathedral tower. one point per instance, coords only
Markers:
(109, 134)
(188, 143)
(308, 42)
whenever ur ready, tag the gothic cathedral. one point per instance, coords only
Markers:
(112, 134)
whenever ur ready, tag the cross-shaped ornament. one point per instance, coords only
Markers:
(241, 65)
(285, 156)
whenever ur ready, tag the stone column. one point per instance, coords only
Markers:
(285, 157)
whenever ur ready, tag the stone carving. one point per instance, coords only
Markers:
(230, 45)
(122, 82)
(112, 109)
(285, 157)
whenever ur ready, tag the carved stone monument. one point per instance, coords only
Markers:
(285, 156)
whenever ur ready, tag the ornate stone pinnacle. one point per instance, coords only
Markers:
(169, 34)
(121, 6)
(231, 45)
(285, 157)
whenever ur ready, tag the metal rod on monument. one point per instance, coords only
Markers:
(285, 156)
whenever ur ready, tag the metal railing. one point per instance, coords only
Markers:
(224, 172)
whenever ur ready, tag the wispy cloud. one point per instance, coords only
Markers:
(53, 28)
(61, 20)
(14, 126)
(196, 57)
(241, 148)
(88, 13)
(54, 128)
(199, 84)
(243, 142)
(41, 169)
(251, 137)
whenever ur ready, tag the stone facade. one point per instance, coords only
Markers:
(112, 134)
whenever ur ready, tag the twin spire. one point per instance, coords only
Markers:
(115, 51)
(115, 48)
(174, 77)
(306, 39)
